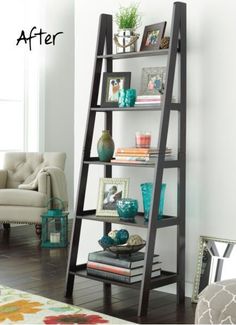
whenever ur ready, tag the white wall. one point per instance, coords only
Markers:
(59, 84)
(211, 181)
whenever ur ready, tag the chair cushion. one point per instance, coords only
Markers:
(22, 198)
(217, 304)
(23, 167)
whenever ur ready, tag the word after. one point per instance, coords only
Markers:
(43, 37)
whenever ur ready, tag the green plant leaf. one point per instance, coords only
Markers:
(128, 17)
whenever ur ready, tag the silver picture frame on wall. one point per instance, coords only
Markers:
(216, 261)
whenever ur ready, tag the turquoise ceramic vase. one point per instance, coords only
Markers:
(105, 146)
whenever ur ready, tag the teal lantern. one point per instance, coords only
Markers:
(54, 226)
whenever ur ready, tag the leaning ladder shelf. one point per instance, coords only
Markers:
(177, 48)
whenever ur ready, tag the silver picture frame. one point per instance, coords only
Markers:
(153, 81)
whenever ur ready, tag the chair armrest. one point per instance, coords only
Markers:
(44, 184)
(3, 178)
(58, 184)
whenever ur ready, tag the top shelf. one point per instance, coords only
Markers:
(133, 54)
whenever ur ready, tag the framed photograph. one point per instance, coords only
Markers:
(153, 81)
(111, 190)
(152, 36)
(112, 83)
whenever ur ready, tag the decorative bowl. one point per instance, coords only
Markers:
(125, 248)
(127, 209)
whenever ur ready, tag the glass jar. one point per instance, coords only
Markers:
(127, 209)
(146, 190)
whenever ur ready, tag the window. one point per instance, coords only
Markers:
(19, 78)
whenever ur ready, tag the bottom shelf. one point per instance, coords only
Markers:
(165, 278)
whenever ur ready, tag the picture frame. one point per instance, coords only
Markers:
(112, 83)
(152, 36)
(153, 81)
(110, 190)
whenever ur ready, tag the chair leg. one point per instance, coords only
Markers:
(38, 230)
(6, 226)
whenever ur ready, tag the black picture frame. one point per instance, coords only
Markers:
(121, 81)
(152, 42)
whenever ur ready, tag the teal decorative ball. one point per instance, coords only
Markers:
(106, 241)
(122, 236)
(113, 235)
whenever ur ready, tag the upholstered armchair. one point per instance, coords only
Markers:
(28, 180)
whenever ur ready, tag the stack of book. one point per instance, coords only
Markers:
(138, 155)
(147, 100)
(127, 268)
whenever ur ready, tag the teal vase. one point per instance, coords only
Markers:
(146, 190)
(105, 146)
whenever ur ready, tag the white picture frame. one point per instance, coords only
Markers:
(110, 190)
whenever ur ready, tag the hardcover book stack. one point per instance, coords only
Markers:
(138, 155)
(147, 100)
(126, 268)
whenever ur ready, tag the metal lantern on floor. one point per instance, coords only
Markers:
(54, 226)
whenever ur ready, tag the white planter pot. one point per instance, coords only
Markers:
(126, 41)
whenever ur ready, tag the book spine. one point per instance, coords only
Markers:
(147, 101)
(147, 104)
(133, 151)
(128, 158)
(132, 161)
(109, 275)
(149, 97)
(134, 155)
(139, 151)
(93, 257)
(109, 268)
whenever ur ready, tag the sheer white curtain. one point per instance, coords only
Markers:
(19, 78)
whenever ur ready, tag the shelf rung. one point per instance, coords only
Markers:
(166, 221)
(153, 108)
(133, 54)
(167, 163)
(165, 278)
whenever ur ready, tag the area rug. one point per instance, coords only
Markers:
(19, 307)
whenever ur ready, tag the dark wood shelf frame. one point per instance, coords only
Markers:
(177, 37)
(167, 163)
(139, 221)
(141, 108)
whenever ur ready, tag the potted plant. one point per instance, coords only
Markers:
(127, 19)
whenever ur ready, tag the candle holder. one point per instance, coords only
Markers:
(143, 139)
(54, 227)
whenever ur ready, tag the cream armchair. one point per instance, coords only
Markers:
(27, 181)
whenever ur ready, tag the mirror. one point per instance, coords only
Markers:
(216, 262)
